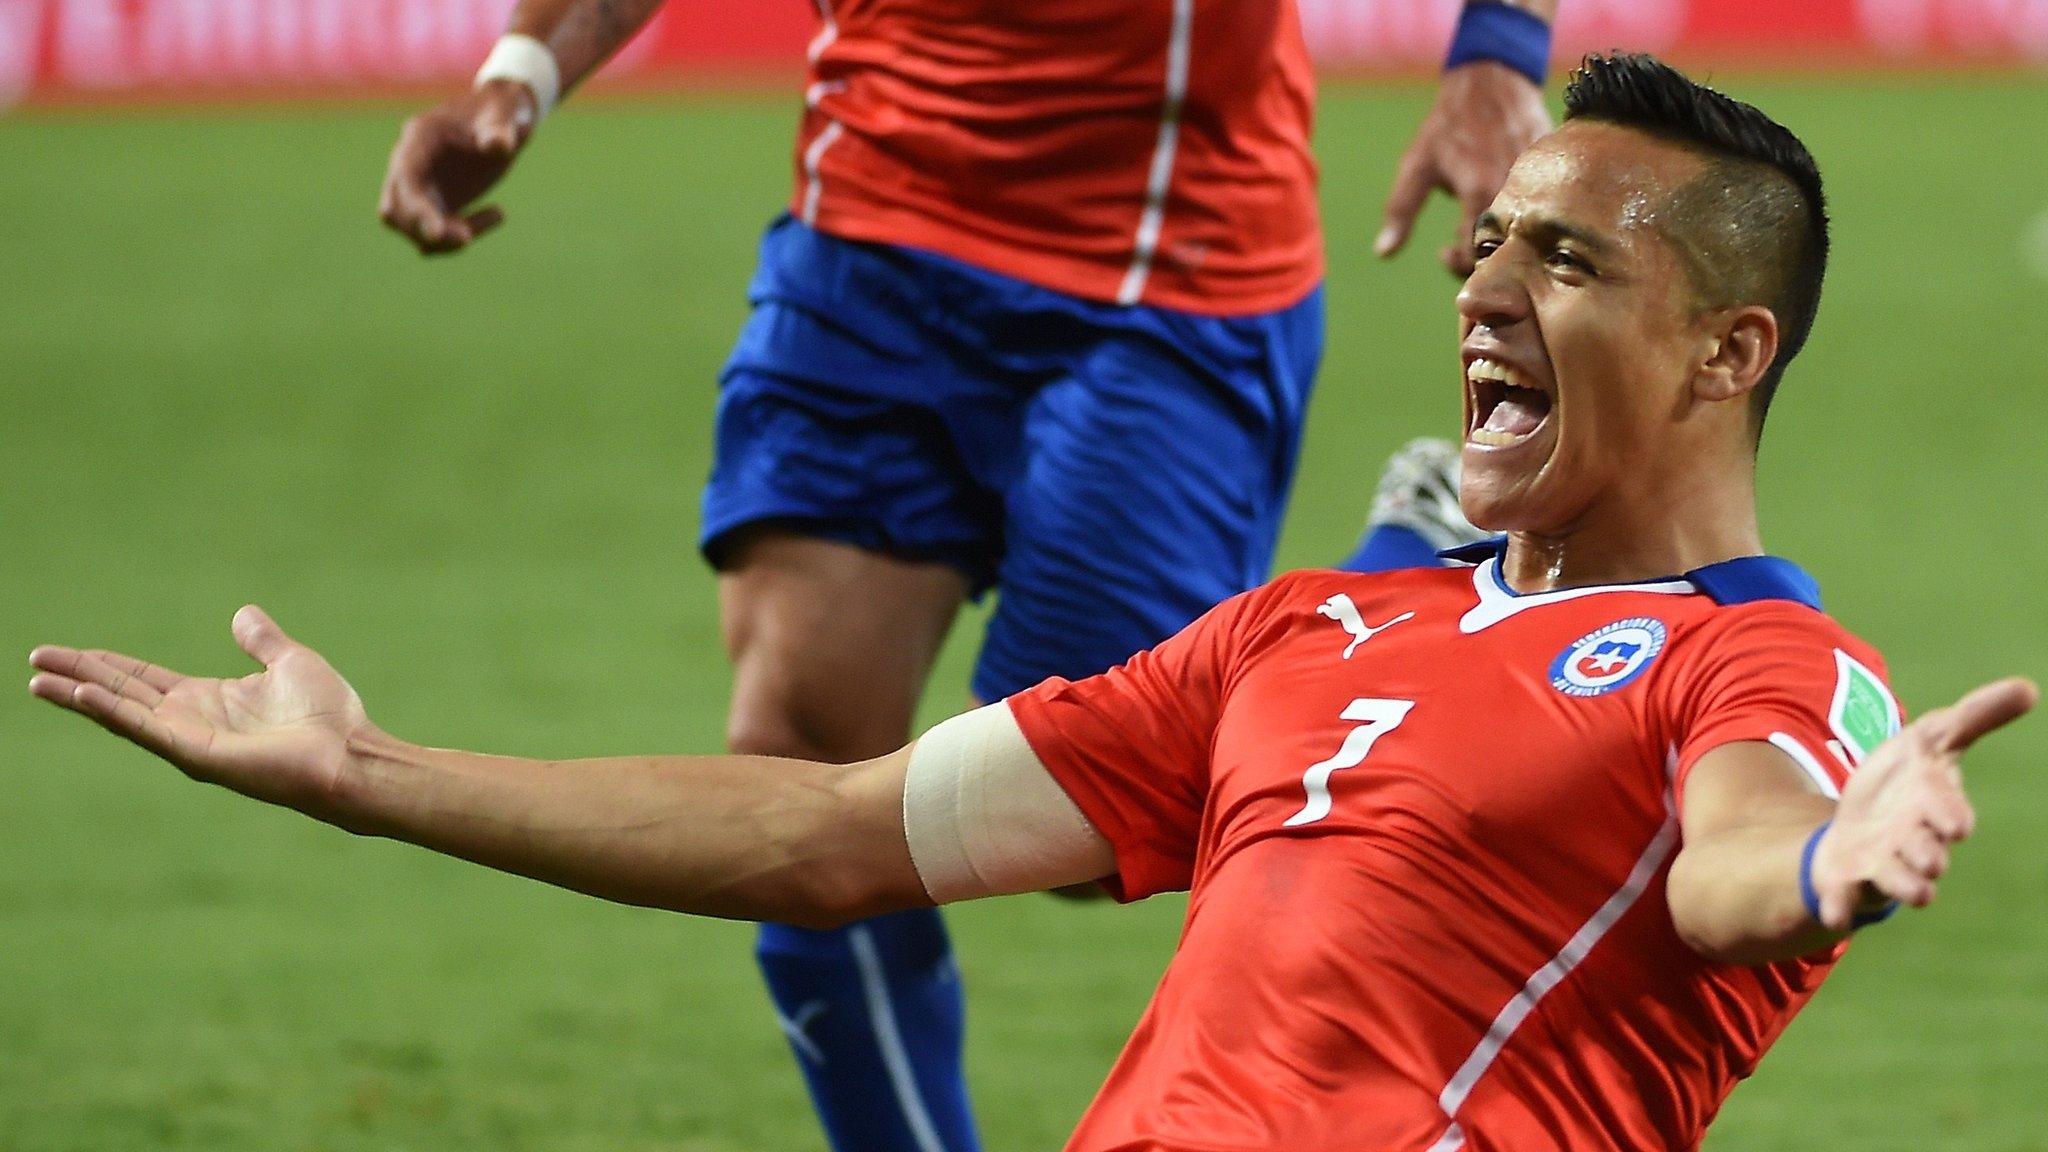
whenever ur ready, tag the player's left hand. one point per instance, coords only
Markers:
(1905, 806)
(1485, 115)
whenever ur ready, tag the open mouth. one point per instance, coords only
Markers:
(1506, 409)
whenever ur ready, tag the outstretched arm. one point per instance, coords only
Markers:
(1487, 111)
(1749, 815)
(742, 837)
(450, 155)
(734, 836)
(966, 812)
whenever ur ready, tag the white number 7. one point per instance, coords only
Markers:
(1375, 719)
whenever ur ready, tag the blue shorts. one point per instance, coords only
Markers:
(1114, 471)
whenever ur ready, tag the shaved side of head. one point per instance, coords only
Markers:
(1752, 227)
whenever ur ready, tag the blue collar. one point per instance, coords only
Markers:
(1739, 581)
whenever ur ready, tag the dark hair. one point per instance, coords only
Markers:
(1754, 226)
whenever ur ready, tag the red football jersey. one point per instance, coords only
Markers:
(1427, 824)
(1141, 151)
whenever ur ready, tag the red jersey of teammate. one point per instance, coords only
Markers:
(1427, 824)
(1152, 151)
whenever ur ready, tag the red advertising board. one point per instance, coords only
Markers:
(127, 49)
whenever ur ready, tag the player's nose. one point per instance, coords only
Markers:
(1493, 295)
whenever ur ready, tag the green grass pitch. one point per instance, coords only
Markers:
(473, 483)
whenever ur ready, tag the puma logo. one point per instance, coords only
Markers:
(1345, 613)
(797, 1028)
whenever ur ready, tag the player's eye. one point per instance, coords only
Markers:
(1483, 248)
(1565, 260)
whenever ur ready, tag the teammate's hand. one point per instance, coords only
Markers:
(1485, 115)
(279, 735)
(1905, 806)
(447, 157)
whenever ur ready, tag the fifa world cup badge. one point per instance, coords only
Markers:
(1863, 713)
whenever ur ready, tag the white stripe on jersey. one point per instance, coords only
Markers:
(826, 35)
(1560, 966)
(1161, 177)
(813, 186)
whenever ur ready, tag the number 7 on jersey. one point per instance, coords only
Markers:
(1375, 719)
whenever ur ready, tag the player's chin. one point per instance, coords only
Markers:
(1502, 484)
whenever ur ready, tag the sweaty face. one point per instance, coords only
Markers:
(1579, 337)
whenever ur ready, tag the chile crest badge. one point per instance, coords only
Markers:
(1607, 658)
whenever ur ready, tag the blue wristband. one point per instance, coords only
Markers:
(1811, 898)
(1505, 34)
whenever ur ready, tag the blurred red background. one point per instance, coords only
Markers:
(71, 50)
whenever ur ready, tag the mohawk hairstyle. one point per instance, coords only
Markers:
(1754, 226)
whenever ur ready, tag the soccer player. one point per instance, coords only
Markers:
(1538, 854)
(1042, 314)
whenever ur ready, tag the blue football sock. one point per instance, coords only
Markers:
(1390, 546)
(874, 1014)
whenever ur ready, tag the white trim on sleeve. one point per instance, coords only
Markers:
(1809, 763)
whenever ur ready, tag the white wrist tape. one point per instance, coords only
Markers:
(524, 59)
(984, 817)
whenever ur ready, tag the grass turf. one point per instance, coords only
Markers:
(472, 483)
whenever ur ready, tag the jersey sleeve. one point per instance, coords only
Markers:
(1790, 677)
(1131, 746)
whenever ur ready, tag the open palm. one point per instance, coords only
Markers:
(279, 735)
(1905, 807)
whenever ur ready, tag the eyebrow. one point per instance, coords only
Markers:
(1544, 227)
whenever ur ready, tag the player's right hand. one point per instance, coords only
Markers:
(281, 735)
(448, 156)
(1905, 806)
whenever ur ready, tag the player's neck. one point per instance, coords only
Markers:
(1695, 517)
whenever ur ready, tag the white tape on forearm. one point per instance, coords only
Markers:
(984, 818)
(524, 59)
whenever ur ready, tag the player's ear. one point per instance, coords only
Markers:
(1741, 343)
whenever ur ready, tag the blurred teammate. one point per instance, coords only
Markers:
(1042, 314)
(1537, 855)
